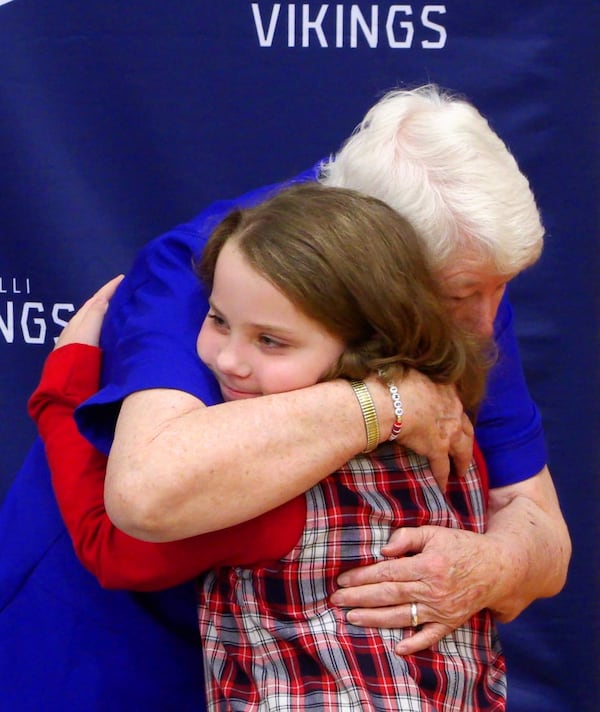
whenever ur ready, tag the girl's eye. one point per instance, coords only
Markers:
(216, 319)
(270, 343)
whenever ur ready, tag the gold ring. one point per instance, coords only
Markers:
(414, 615)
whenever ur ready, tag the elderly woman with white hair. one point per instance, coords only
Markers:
(435, 159)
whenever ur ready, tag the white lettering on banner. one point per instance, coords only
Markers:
(29, 321)
(408, 31)
(427, 10)
(14, 285)
(266, 40)
(315, 23)
(39, 324)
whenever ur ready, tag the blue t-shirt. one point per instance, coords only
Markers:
(150, 334)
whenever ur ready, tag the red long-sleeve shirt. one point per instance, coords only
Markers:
(70, 376)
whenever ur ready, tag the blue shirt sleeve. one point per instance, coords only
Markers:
(509, 427)
(150, 330)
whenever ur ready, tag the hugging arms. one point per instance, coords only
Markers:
(290, 441)
(333, 434)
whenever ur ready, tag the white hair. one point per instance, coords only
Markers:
(436, 161)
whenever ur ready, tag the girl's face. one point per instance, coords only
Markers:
(254, 340)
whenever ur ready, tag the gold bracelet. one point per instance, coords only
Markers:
(369, 413)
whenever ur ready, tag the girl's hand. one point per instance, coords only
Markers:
(84, 326)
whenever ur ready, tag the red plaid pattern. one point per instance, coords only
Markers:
(272, 641)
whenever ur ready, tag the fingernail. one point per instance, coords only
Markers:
(343, 580)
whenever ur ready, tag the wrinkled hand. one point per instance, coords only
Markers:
(436, 426)
(449, 578)
(84, 326)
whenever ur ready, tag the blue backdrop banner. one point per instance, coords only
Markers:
(121, 120)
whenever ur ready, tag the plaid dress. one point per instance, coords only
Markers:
(272, 641)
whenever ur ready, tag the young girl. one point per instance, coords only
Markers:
(315, 283)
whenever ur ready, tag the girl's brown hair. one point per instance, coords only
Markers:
(356, 266)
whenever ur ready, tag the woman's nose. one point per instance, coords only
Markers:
(485, 317)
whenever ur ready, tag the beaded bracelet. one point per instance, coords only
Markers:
(397, 403)
(369, 413)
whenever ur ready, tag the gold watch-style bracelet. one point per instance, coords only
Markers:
(369, 413)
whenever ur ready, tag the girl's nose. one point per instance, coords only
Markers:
(230, 360)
